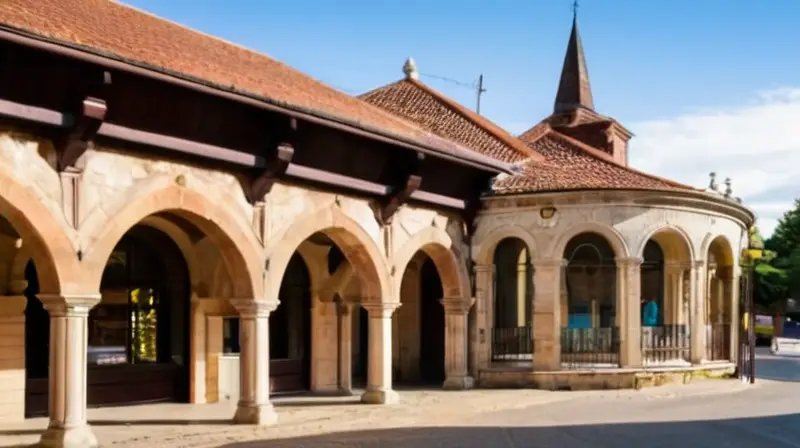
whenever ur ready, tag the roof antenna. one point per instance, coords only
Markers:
(480, 92)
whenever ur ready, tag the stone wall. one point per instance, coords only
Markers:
(232, 247)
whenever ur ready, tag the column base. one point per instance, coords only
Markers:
(382, 396)
(249, 414)
(75, 437)
(458, 383)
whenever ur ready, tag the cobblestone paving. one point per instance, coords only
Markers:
(705, 413)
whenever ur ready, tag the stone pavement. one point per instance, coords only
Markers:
(176, 425)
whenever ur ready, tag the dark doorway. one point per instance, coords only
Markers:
(361, 348)
(432, 350)
(37, 347)
(290, 331)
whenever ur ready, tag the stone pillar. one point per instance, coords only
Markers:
(254, 406)
(214, 348)
(697, 311)
(346, 310)
(379, 372)
(68, 340)
(546, 309)
(484, 307)
(197, 343)
(629, 297)
(12, 363)
(456, 310)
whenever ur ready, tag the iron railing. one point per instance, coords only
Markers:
(665, 344)
(512, 344)
(589, 347)
(718, 342)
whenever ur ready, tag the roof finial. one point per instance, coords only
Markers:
(575, 6)
(410, 69)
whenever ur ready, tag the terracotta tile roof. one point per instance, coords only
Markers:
(124, 33)
(572, 165)
(415, 101)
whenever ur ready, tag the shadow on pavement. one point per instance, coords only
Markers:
(777, 368)
(777, 431)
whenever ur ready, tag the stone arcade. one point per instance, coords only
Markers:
(185, 220)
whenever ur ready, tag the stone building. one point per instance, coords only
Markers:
(183, 219)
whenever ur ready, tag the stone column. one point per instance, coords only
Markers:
(12, 340)
(697, 311)
(254, 406)
(456, 310)
(197, 344)
(346, 309)
(68, 340)
(379, 372)
(484, 307)
(546, 309)
(629, 293)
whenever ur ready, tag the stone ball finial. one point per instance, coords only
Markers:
(410, 69)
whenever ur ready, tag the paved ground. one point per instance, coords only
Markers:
(703, 414)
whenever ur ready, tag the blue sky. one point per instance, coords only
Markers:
(678, 73)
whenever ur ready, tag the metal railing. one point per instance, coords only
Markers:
(665, 344)
(512, 344)
(718, 342)
(589, 347)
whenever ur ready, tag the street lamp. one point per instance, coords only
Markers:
(748, 261)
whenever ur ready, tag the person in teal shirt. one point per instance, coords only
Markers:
(650, 314)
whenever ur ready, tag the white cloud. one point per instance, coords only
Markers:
(756, 144)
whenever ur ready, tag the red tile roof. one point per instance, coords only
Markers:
(126, 34)
(415, 101)
(572, 165)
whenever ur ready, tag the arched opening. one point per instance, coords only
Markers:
(290, 331)
(37, 346)
(418, 325)
(665, 274)
(719, 300)
(138, 334)
(652, 285)
(590, 329)
(513, 298)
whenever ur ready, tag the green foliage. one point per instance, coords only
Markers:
(777, 275)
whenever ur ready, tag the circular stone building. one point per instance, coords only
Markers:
(581, 262)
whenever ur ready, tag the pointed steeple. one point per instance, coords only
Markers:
(574, 90)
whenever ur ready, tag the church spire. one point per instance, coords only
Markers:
(574, 90)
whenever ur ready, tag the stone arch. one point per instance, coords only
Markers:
(234, 239)
(611, 235)
(437, 244)
(181, 240)
(675, 242)
(489, 243)
(727, 257)
(53, 253)
(356, 244)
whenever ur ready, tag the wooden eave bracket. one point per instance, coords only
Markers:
(401, 193)
(277, 163)
(275, 168)
(81, 133)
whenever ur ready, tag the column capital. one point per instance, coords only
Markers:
(17, 287)
(697, 264)
(457, 305)
(551, 263)
(630, 262)
(380, 309)
(69, 305)
(254, 308)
